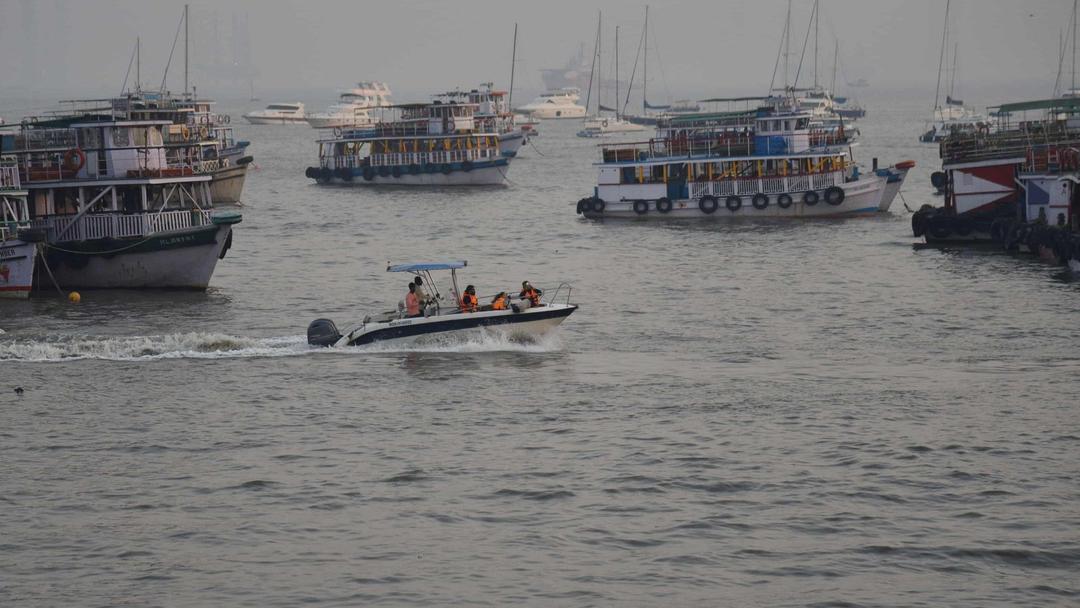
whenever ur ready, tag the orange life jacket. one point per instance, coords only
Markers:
(469, 302)
(532, 294)
(499, 303)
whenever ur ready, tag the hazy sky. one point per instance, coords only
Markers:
(82, 47)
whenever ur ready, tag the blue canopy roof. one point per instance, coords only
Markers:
(426, 266)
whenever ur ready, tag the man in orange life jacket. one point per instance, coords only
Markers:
(469, 303)
(500, 301)
(412, 303)
(531, 293)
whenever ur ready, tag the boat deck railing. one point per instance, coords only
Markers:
(971, 146)
(749, 186)
(115, 224)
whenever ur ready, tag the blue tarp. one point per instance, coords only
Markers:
(426, 266)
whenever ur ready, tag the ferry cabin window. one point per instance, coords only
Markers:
(629, 175)
(802, 123)
(120, 137)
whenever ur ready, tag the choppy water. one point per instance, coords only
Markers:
(781, 414)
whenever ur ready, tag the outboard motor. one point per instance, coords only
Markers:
(322, 332)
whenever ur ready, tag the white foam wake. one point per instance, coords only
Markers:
(221, 346)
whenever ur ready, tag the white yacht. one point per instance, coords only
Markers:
(278, 114)
(601, 126)
(560, 103)
(351, 110)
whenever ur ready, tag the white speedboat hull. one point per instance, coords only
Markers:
(274, 120)
(530, 323)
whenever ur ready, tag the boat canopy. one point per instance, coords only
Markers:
(425, 266)
(1061, 103)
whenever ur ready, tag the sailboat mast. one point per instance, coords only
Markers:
(645, 68)
(1074, 47)
(787, 43)
(185, 49)
(599, 64)
(941, 59)
(817, 22)
(138, 64)
(616, 72)
(835, 58)
(513, 64)
(952, 77)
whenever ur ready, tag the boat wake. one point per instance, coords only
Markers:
(221, 346)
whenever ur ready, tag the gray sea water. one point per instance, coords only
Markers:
(740, 414)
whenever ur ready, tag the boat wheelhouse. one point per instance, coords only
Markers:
(18, 249)
(117, 206)
(770, 162)
(429, 144)
(492, 115)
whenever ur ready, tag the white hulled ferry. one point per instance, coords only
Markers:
(767, 162)
(422, 144)
(353, 107)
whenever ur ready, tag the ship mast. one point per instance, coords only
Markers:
(616, 72)
(185, 50)
(645, 68)
(513, 61)
(941, 59)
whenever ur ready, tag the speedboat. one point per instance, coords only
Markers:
(561, 103)
(601, 126)
(278, 114)
(441, 320)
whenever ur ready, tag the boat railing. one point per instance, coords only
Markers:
(436, 157)
(57, 166)
(115, 224)
(1040, 146)
(722, 145)
(749, 186)
(555, 294)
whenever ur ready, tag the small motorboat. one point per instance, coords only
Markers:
(440, 320)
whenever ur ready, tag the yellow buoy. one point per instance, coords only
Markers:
(74, 297)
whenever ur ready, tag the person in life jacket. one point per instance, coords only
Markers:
(500, 301)
(531, 293)
(469, 303)
(412, 303)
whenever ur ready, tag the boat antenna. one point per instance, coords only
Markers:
(165, 77)
(513, 61)
(941, 59)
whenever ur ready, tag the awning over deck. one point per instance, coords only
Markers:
(422, 266)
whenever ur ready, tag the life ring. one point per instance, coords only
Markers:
(369, 173)
(74, 160)
(467, 166)
(204, 119)
(784, 201)
(708, 204)
(810, 198)
(337, 131)
(834, 195)
(325, 174)
(733, 203)
(663, 204)
(225, 163)
(185, 132)
(311, 172)
(760, 201)
(597, 204)
(919, 223)
(584, 205)
(204, 133)
(604, 124)
(228, 119)
(641, 207)
(938, 179)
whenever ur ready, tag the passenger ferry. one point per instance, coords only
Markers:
(278, 114)
(423, 144)
(768, 162)
(18, 249)
(119, 204)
